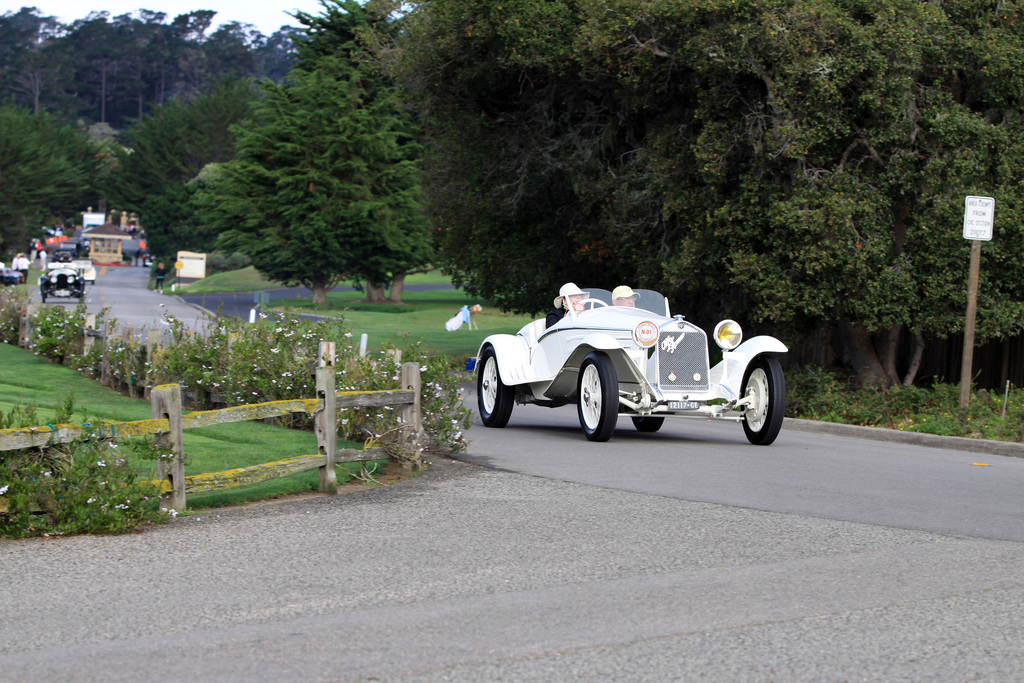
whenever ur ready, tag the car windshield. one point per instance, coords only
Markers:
(646, 299)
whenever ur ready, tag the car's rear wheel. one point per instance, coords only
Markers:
(598, 396)
(765, 384)
(648, 424)
(494, 397)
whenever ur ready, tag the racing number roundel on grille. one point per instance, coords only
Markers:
(645, 334)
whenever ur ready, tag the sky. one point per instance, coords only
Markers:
(266, 15)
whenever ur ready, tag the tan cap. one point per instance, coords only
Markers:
(622, 292)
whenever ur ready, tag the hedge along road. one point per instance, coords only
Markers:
(601, 562)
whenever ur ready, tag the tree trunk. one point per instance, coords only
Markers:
(916, 354)
(863, 356)
(319, 293)
(397, 288)
(887, 347)
(375, 292)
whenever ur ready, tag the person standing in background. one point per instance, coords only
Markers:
(21, 264)
(161, 273)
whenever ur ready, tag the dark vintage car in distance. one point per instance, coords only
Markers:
(61, 281)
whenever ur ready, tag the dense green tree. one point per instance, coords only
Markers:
(319, 189)
(114, 70)
(338, 33)
(48, 170)
(801, 163)
(164, 152)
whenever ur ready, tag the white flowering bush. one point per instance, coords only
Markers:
(58, 335)
(236, 362)
(126, 363)
(58, 332)
(82, 487)
(10, 313)
(443, 411)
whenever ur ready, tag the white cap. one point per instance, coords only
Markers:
(567, 289)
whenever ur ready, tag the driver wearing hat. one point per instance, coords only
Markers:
(623, 296)
(568, 295)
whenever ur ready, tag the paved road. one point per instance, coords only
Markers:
(473, 574)
(685, 555)
(123, 292)
(945, 490)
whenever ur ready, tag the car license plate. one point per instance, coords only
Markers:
(683, 405)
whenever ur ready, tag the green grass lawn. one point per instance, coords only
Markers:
(29, 379)
(422, 314)
(244, 280)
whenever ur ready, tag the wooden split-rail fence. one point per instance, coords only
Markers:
(168, 424)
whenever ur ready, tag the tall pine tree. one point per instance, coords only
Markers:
(324, 187)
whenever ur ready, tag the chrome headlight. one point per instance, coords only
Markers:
(728, 334)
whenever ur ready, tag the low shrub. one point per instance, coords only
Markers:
(443, 412)
(85, 486)
(831, 395)
(222, 262)
(11, 302)
(236, 362)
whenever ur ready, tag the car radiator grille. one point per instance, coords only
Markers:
(683, 360)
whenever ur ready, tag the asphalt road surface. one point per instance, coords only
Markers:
(122, 291)
(805, 472)
(538, 556)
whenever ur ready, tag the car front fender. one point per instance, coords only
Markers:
(734, 363)
(564, 383)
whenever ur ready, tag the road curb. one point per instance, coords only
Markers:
(201, 309)
(959, 443)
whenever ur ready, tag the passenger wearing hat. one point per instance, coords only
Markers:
(623, 296)
(568, 295)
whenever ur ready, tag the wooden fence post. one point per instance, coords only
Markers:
(412, 418)
(152, 344)
(166, 403)
(108, 331)
(26, 323)
(23, 326)
(326, 421)
(90, 324)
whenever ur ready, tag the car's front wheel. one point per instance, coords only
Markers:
(598, 396)
(494, 397)
(765, 384)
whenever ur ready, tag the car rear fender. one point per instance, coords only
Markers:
(513, 356)
(734, 363)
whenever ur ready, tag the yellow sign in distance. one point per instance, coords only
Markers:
(179, 265)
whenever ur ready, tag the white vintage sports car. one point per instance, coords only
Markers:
(636, 361)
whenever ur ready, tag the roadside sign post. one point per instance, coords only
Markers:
(979, 219)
